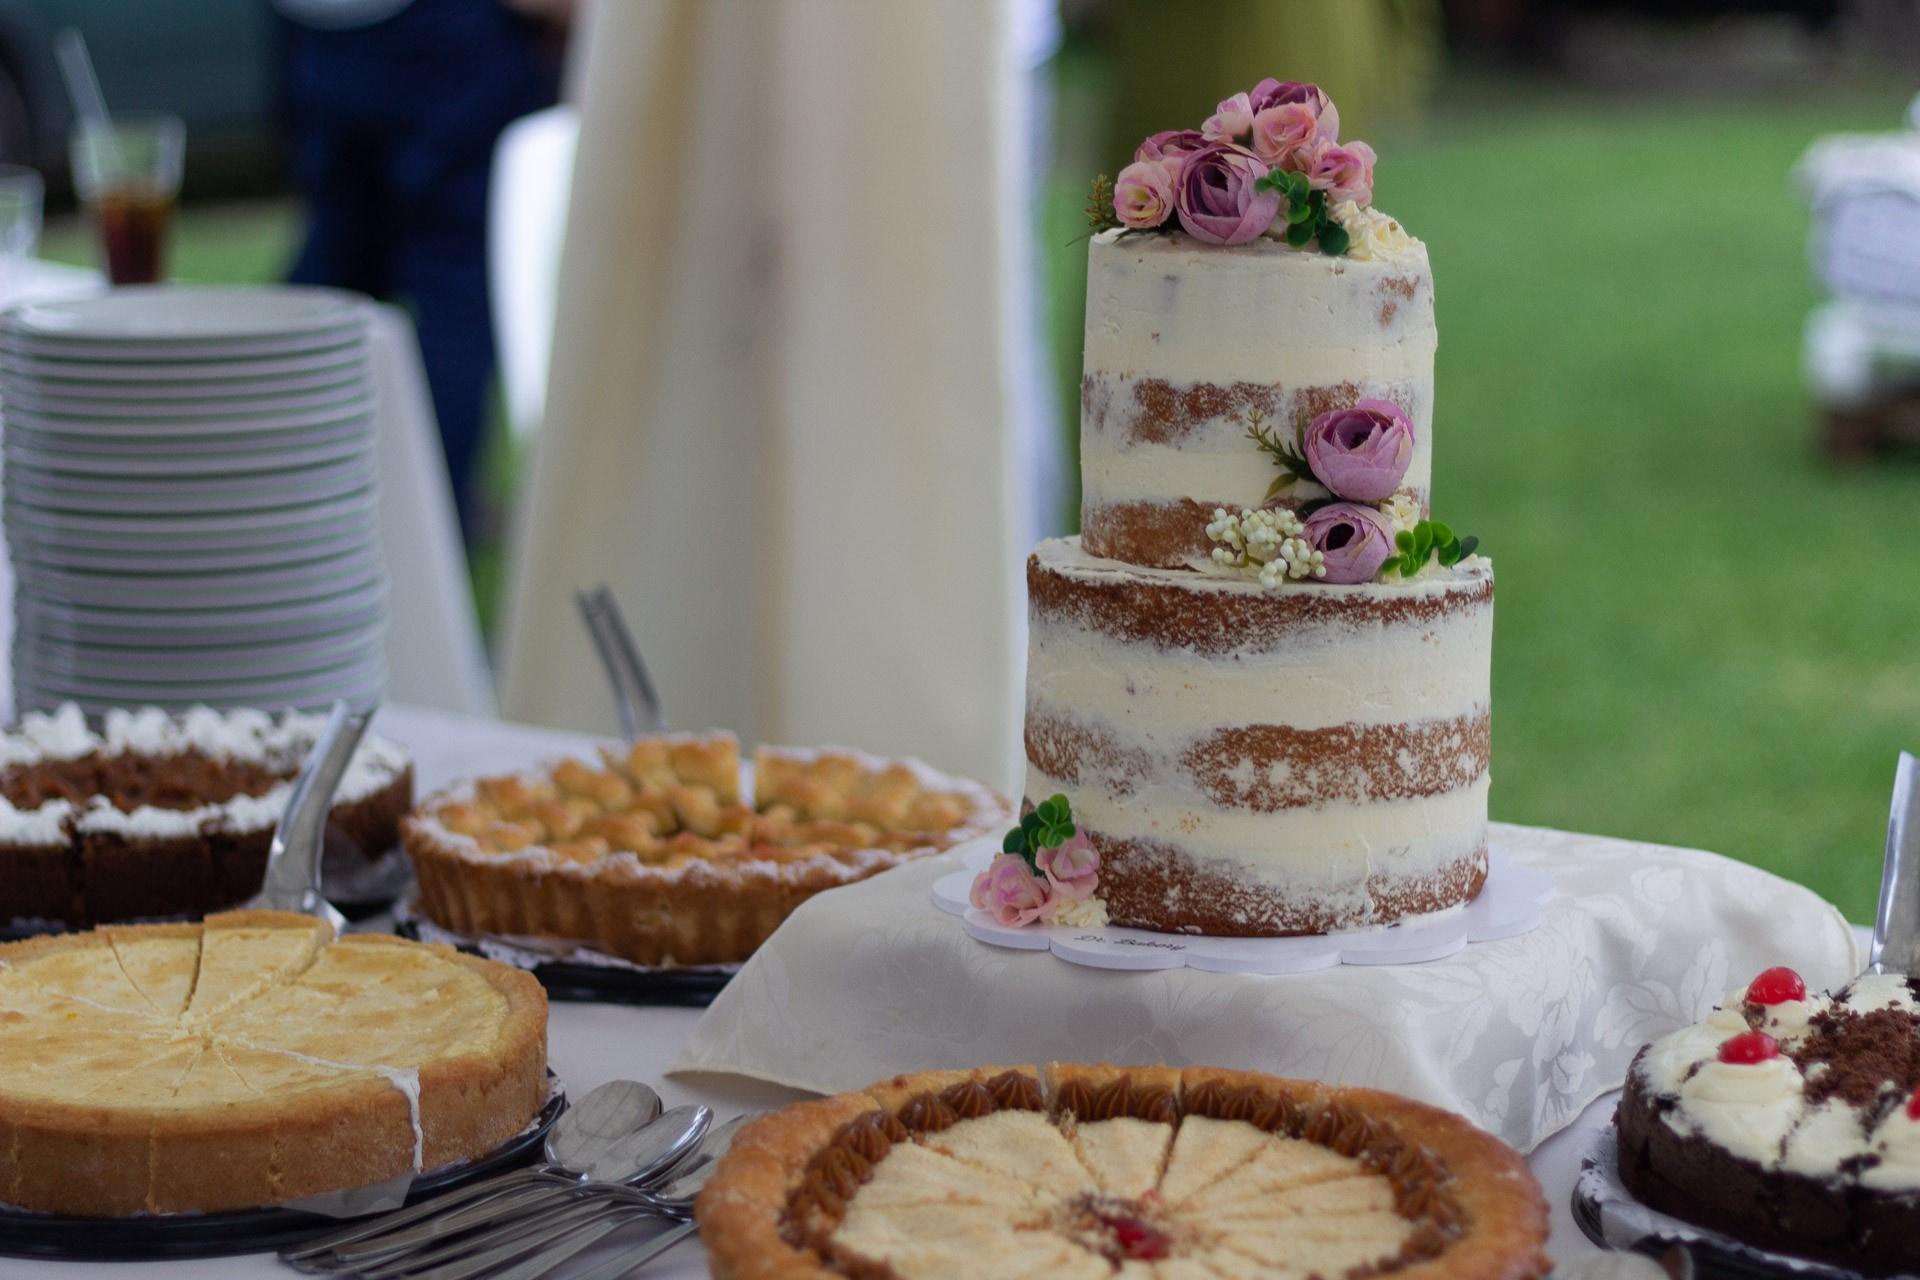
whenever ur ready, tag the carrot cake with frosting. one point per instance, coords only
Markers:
(1260, 675)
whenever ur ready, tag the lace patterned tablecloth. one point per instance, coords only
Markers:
(1518, 1035)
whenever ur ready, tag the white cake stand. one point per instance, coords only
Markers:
(1508, 905)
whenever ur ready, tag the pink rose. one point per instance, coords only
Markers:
(1173, 145)
(1284, 135)
(1233, 117)
(1010, 892)
(1217, 197)
(1361, 453)
(1273, 93)
(1354, 540)
(1143, 195)
(1344, 172)
(1072, 869)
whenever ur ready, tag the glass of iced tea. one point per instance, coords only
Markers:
(127, 172)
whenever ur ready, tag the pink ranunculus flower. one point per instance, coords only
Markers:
(1361, 453)
(1143, 194)
(1010, 892)
(1284, 134)
(1171, 145)
(1218, 199)
(1273, 93)
(1230, 120)
(1354, 540)
(1343, 171)
(1072, 869)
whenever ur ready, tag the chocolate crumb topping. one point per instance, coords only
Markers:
(1864, 1054)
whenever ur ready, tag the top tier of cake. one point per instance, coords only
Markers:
(1184, 340)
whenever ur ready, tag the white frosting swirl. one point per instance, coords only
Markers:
(1826, 1135)
(1088, 913)
(1748, 1108)
(1872, 991)
(1897, 1143)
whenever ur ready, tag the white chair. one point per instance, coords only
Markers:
(526, 226)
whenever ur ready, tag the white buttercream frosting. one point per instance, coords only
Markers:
(1748, 1108)
(1303, 330)
(1152, 703)
(243, 736)
(1897, 1144)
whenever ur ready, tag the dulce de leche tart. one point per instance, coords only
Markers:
(664, 853)
(1094, 1172)
(251, 1060)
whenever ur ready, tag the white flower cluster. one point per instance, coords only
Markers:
(1371, 233)
(1265, 545)
(1088, 913)
(1401, 511)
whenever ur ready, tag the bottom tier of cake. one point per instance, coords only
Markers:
(1255, 761)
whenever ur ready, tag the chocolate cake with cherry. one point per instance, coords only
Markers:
(155, 816)
(1788, 1121)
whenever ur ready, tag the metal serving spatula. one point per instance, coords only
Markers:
(1896, 929)
(633, 692)
(292, 881)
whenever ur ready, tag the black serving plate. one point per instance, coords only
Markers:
(1609, 1215)
(151, 1237)
(616, 982)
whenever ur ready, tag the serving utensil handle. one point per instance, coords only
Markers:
(1896, 927)
(634, 696)
(292, 879)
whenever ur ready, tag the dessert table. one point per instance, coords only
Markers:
(591, 1043)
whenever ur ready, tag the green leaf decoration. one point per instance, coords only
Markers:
(1297, 212)
(1299, 233)
(1422, 541)
(1334, 240)
(1099, 210)
(1290, 458)
(1281, 483)
(1442, 535)
(1274, 179)
(1467, 545)
(1404, 540)
(1298, 187)
(1318, 201)
(1016, 841)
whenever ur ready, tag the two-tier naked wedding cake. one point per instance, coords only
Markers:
(1260, 676)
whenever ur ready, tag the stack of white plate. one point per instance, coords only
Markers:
(189, 485)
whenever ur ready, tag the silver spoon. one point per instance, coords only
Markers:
(643, 1158)
(584, 1133)
(618, 1208)
(1896, 927)
(292, 878)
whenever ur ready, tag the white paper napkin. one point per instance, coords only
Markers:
(872, 980)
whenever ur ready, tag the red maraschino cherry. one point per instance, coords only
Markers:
(1913, 1106)
(1748, 1048)
(1777, 986)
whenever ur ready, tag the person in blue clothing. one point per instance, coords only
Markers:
(394, 107)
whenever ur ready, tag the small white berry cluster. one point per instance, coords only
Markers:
(1265, 545)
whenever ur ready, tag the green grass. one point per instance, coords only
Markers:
(1706, 635)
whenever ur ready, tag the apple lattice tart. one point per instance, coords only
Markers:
(667, 852)
(1090, 1172)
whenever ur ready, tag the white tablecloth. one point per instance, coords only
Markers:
(592, 1043)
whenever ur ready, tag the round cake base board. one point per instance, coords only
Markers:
(1609, 1215)
(572, 971)
(147, 1237)
(1508, 905)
